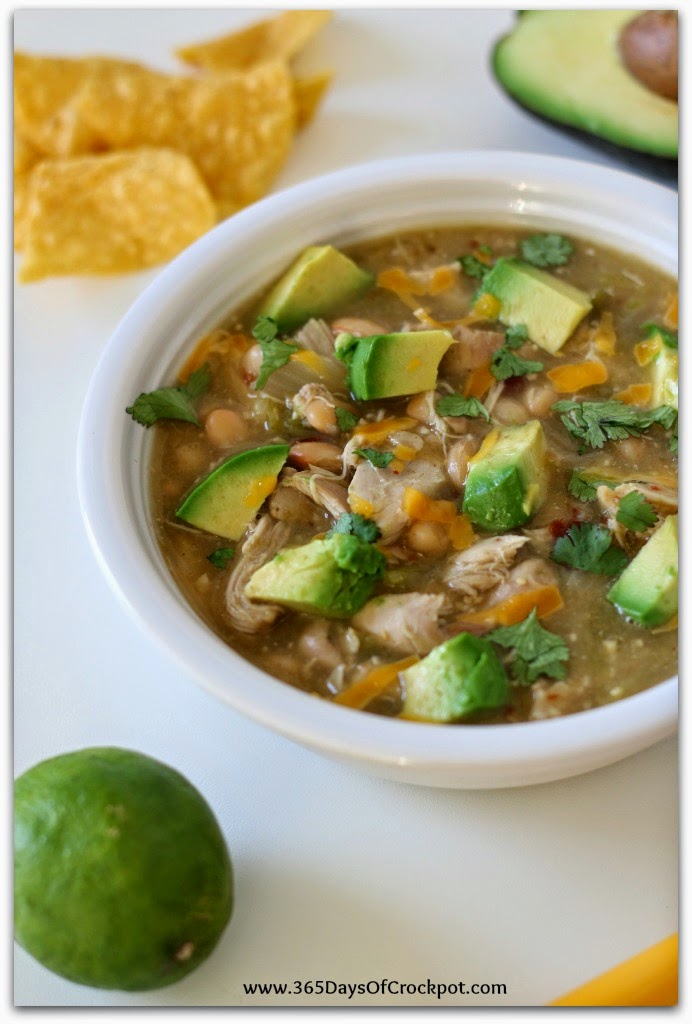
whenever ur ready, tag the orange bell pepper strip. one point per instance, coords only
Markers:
(361, 693)
(516, 608)
(573, 377)
(478, 382)
(419, 506)
(635, 394)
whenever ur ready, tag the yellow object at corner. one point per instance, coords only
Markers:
(648, 979)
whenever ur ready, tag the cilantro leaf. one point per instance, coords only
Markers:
(221, 557)
(546, 250)
(669, 338)
(506, 364)
(171, 403)
(594, 423)
(457, 405)
(345, 419)
(589, 547)
(473, 267)
(516, 336)
(275, 353)
(535, 650)
(580, 488)
(673, 440)
(635, 512)
(378, 459)
(358, 525)
(198, 381)
(665, 415)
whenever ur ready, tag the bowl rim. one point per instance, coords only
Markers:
(629, 724)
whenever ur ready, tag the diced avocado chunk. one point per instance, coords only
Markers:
(331, 576)
(549, 307)
(507, 477)
(664, 382)
(320, 283)
(460, 676)
(647, 591)
(387, 365)
(230, 497)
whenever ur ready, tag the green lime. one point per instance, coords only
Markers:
(122, 875)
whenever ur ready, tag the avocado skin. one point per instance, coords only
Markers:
(657, 167)
(634, 155)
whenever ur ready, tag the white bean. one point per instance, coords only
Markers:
(419, 408)
(251, 362)
(508, 410)
(458, 460)
(538, 399)
(316, 453)
(358, 326)
(321, 416)
(427, 538)
(225, 427)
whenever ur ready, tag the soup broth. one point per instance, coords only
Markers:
(401, 470)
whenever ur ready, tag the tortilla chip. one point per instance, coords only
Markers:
(21, 206)
(277, 38)
(308, 93)
(113, 212)
(24, 154)
(45, 92)
(25, 159)
(237, 127)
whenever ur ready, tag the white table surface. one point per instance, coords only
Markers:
(339, 876)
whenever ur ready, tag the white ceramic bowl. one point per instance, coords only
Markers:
(226, 266)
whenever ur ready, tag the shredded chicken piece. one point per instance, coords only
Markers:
(482, 567)
(378, 493)
(317, 336)
(493, 395)
(307, 402)
(328, 646)
(530, 574)
(422, 408)
(288, 504)
(409, 623)
(663, 499)
(326, 490)
(474, 348)
(266, 538)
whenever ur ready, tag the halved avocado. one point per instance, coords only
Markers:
(565, 66)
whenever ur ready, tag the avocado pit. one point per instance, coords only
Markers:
(648, 46)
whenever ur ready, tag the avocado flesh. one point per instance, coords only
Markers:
(230, 497)
(565, 66)
(331, 576)
(507, 478)
(319, 283)
(390, 365)
(547, 306)
(664, 384)
(647, 591)
(460, 676)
